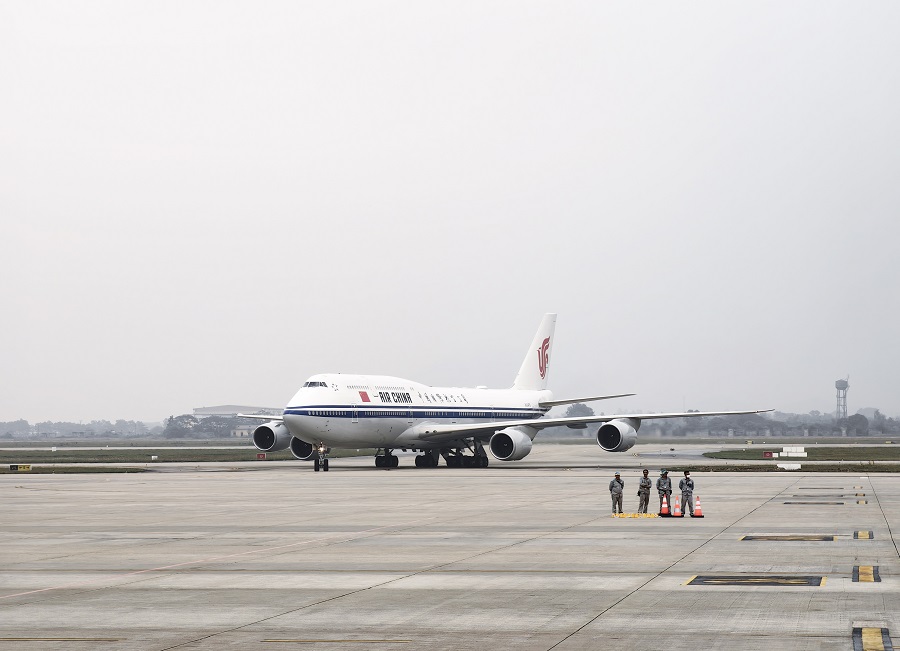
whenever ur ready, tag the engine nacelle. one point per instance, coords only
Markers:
(303, 450)
(271, 437)
(511, 444)
(618, 435)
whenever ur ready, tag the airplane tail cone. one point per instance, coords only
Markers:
(677, 512)
(664, 511)
(698, 512)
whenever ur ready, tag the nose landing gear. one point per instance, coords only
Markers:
(321, 461)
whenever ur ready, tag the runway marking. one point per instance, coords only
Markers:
(862, 501)
(800, 537)
(61, 639)
(340, 641)
(864, 535)
(866, 574)
(214, 559)
(872, 639)
(822, 495)
(820, 503)
(779, 580)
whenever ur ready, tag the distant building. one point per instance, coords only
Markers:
(868, 412)
(243, 431)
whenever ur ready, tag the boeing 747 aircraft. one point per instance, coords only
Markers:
(456, 424)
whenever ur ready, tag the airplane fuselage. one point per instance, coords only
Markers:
(388, 412)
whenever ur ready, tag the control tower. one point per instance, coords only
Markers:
(841, 385)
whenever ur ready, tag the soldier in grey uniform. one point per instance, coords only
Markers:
(687, 493)
(644, 491)
(616, 487)
(664, 488)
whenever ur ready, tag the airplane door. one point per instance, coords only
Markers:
(355, 418)
(409, 416)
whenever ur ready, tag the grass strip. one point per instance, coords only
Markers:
(816, 453)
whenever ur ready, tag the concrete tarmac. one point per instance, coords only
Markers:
(522, 555)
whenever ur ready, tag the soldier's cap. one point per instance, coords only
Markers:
(645, 470)
(663, 472)
(617, 472)
(687, 472)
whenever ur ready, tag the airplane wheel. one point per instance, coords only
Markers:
(395, 461)
(316, 466)
(467, 462)
(420, 461)
(325, 465)
(484, 462)
(379, 461)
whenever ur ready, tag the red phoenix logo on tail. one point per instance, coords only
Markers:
(543, 358)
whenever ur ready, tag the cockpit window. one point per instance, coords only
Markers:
(307, 385)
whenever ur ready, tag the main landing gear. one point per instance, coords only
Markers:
(427, 460)
(454, 457)
(457, 459)
(386, 460)
(321, 461)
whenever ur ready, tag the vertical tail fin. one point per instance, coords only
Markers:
(533, 372)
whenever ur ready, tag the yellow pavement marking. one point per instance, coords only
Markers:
(872, 640)
(866, 574)
(862, 501)
(862, 535)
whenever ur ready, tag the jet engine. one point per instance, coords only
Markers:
(510, 444)
(618, 435)
(302, 450)
(271, 437)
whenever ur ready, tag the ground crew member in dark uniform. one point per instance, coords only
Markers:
(616, 487)
(687, 493)
(664, 488)
(644, 491)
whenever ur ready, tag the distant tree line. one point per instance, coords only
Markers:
(174, 427)
(95, 429)
(188, 426)
(783, 424)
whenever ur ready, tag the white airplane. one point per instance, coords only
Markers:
(390, 413)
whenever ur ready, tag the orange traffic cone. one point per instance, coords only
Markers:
(664, 511)
(677, 512)
(698, 512)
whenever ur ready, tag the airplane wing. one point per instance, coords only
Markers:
(437, 432)
(572, 401)
(260, 417)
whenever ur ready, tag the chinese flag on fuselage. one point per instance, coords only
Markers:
(364, 396)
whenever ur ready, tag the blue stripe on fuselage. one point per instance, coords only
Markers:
(384, 411)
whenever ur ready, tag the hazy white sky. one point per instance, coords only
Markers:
(206, 202)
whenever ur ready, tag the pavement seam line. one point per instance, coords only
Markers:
(884, 517)
(384, 583)
(663, 571)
